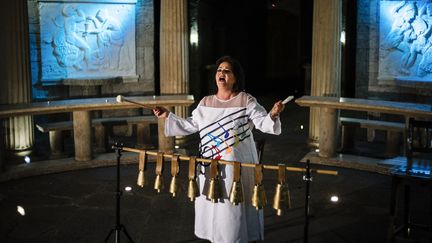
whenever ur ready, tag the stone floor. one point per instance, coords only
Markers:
(67, 201)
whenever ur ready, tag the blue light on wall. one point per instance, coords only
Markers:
(85, 40)
(405, 52)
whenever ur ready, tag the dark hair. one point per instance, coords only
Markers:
(237, 71)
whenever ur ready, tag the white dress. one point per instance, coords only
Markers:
(225, 129)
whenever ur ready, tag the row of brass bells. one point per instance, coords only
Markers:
(214, 191)
(174, 172)
(259, 198)
(192, 191)
(282, 199)
(236, 192)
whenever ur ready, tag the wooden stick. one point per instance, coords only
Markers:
(121, 98)
(224, 162)
(288, 99)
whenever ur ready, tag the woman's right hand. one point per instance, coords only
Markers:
(161, 112)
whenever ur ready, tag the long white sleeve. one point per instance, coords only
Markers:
(177, 126)
(261, 119)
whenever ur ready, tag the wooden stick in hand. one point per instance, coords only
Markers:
(288, 99)
(121, 99)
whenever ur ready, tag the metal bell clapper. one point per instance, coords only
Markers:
(158, 185)
(214, 191)
(282, 199)
(142, 161)
(193, 191)
(174, 172)
(259, 198)
(236, 193)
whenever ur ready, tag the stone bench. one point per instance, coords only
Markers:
(55, 130)
(329, 107)
(394, 130)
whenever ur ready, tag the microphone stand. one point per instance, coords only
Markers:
(118, 226)
(307, 178)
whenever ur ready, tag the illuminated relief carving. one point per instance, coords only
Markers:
(87, 40)
(405, 40)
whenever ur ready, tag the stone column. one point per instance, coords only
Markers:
(82, 135)
(327, 139)
(2, 146)
(326, 58)
(15, 79)
(174, 58)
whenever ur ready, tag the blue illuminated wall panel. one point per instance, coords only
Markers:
(405, 43)
(86, 40)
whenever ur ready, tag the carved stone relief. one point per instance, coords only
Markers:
(405, 51)
(87, 40)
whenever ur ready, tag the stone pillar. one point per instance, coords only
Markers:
(326, 58)
(2, 146)
(327, 141)
(15, 79)
(174, 57)
(82, 135)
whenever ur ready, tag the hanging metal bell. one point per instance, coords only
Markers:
(193, 191)
(173, 186)
(259, 198)
(141, 167)
(141, 179)
(158, 185)
(174, 172)
(236, 193)
(282, 199)
(214, 191)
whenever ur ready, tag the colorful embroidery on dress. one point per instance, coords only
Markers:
(222, 138)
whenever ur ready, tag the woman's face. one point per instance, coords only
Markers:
(225, 77)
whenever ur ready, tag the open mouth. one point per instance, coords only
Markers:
(222, 79)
